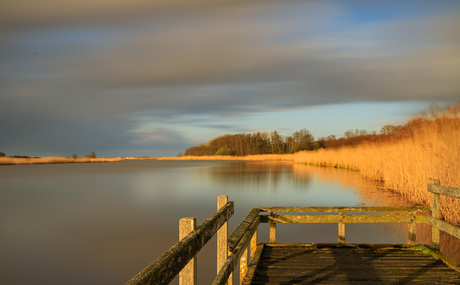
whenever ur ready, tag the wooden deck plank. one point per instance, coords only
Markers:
(348, 264)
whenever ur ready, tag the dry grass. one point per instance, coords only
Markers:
(263, 157)
(407, 164)
(53, 160)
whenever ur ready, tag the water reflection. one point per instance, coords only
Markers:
(102, 223)
(257, 175)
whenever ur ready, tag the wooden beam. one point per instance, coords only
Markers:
(307, 219)
(436, 213)
(444, 226)
(167, 266)
(247, 280)
(241, 229)
(273, 229)
(341, 228)
(188, 275)
(222, 237)
(412, 231)
(229, 265)
(343, 209)
(443, 190)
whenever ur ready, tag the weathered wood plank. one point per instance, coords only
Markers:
(241, 229)
(254, 244)
(412, 231)
(336, 219)
(343, 209)
(273, 229)
(222, 235)
(436, 213)
(444, 190)
(444, 226)
(253, 265)
(334, 263)
(229, 265)
(188, 275)
(167, 266)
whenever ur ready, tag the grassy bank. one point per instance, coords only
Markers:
(430, 149)
(53, 160)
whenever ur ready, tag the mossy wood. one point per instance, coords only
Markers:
(166, 267)
(342, 209)
(282, 263)
(345, 264)
(229, 265)
(247, 280)
(338, 218)
(444, 190)
(443, 226)
(241, 229)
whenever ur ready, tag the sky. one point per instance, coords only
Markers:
(154, 77)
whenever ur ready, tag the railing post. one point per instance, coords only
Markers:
(244, 264)
(253, 244)
(188, 275)
(222, 239)
(273, 230)
(412, 230)
(436, 213)
(341, 228)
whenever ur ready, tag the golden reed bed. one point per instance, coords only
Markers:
(53, 160)
(407, 164)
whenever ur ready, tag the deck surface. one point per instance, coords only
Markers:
(333, 264)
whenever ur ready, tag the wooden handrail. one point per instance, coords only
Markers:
(444, 190)
(167, 266)
(345, 209)
(435, 220)
(242, 245)
(241, 229)
(335, 219)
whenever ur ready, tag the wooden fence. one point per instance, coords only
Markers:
(242, 245)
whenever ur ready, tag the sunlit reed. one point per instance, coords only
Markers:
(405, 164)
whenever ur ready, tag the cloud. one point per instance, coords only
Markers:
(81, 74)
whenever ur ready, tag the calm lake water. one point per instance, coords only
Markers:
(103, 223)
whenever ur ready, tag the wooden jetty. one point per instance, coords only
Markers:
(306, 263)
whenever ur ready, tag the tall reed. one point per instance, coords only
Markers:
(429, 149)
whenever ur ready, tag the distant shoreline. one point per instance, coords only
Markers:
(6, 160)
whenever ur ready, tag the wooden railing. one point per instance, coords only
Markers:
(242, 245)
(168, 266)
(434, 220)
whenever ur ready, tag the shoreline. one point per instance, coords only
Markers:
(60, 160)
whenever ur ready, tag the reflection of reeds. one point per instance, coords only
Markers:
(431, 150)
(371, 195)
(54, 160)
(264, 157)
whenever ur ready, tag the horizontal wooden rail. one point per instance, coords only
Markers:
(230, 264)
(444, 190)
(241, 229)
(167, 266)
(444, 226)
(349, 219)
(342, 209)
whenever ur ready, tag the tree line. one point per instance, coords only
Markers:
(275, 143)
(256, 143)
